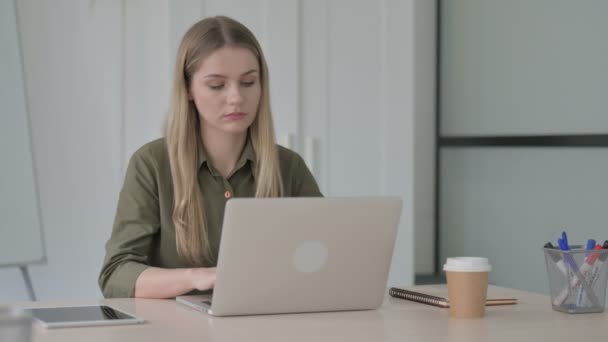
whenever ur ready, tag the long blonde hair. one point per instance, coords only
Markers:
(183, 134)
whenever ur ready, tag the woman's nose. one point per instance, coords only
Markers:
(234, 95)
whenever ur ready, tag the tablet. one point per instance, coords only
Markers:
(78, 316)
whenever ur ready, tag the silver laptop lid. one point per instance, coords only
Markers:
(286, 255)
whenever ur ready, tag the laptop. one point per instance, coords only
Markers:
(294, 255)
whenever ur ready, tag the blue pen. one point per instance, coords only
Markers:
(563, 245)
(565, 240)
(561, 297)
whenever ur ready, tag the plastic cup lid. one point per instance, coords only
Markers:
(467, 264)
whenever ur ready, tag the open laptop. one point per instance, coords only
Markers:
(288, 255)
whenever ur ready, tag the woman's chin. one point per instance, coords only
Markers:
(235, 129)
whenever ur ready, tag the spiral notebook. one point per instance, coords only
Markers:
(439, 297)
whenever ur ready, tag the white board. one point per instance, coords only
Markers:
(21, 238)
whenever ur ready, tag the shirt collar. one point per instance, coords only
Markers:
(248, 154)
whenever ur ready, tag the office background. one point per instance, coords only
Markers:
(523, 131)
(98, 74)
(359, 103)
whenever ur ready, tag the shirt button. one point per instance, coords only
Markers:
(227, 194)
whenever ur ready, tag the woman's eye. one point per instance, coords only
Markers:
(248, 84)
(216, 86)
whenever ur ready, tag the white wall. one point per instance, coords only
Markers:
(98, 77)
(148, 70)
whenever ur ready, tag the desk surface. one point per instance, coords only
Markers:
(396, 320)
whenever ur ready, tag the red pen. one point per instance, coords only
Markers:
(596, 269)
(591, 259)
(575, 281)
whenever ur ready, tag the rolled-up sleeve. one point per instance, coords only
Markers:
(136, 223)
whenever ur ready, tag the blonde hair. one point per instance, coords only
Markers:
(183, 134)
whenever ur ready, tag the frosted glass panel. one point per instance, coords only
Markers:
(506, 203)
(524, 67)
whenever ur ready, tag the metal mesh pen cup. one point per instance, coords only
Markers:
(15, 326)
(577, 279)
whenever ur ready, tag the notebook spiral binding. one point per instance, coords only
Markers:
(418, 297)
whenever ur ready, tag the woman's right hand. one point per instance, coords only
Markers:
(156, 282)
(202, 278)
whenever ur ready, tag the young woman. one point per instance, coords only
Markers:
(219, 144)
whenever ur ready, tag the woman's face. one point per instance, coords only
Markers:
(226, 90)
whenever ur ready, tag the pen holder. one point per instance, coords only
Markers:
(577, 279)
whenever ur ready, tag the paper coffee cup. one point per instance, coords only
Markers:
(467, 286)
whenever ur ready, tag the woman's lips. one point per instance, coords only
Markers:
(234, 116)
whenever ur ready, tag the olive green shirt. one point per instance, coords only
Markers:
(144, 235)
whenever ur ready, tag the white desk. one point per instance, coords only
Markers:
(397, 320)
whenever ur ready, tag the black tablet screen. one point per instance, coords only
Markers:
(78, 314)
